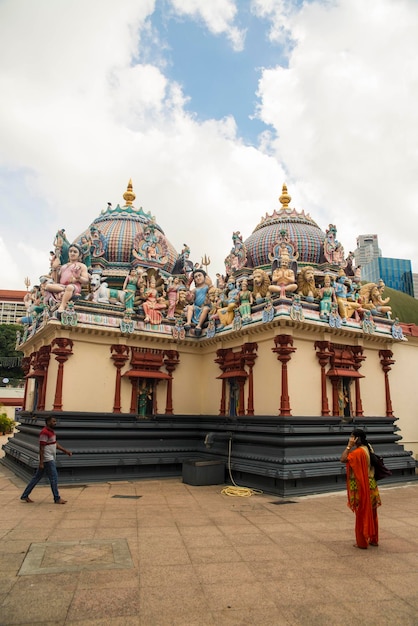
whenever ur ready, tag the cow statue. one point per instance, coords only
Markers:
(103, 294)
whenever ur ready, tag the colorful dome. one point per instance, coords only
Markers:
(299, 229)
(124, 236)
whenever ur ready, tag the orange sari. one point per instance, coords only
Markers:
(363, 496)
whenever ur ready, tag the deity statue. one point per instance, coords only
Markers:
(61, 245)
(98, 242)
(153, 303)
(296, 310)
(226, 313)
(327, 297)
(130, 286)
(181, 302)
(173, 288)
(68, 278)
(283, 277)
(237, 258)
(245, 299)
(346, 307)
(198, 309)
(333, 250)
(85, 246)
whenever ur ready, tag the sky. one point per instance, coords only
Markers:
(209, 107)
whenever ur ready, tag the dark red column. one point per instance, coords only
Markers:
(62, 348)
(386, 361)
(249, 359)
(171, 361)
(358, 360)
(284, 350)
(323, 355)
(119, 356)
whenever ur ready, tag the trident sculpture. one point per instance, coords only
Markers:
(206, 262)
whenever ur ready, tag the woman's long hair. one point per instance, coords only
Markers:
(358, 432)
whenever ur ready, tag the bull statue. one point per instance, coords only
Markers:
(103, 294)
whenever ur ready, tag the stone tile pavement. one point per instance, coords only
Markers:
(164, 553)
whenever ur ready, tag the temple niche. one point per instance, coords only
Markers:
(142, 354)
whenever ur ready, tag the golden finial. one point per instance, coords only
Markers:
(285, 198)
(129, 195)
(27, 282)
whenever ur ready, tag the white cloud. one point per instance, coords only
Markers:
(82, 115)
(346, 119)
(218, 15)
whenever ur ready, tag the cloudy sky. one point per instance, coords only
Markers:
(209, 106)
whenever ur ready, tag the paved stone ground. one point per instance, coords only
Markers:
(163, 553)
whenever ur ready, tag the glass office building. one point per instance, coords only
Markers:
(395, 273)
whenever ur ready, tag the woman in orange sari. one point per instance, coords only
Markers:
(362, 491)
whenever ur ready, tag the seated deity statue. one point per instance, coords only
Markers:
(283, 277)
(67, 280)
(198, 309)
(346, 307)
(226, 313)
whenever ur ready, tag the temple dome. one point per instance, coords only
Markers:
(299, 229)
(124, 236)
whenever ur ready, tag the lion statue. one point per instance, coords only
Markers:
(306, 283)
(261, 284)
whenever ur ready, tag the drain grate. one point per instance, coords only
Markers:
(283, 502)
(128, 497)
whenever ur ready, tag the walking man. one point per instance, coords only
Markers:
(47, 454)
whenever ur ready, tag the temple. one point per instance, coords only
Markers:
(149, 364)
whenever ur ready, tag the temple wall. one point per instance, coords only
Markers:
(403, 379)
(90, 374)
(372, 386)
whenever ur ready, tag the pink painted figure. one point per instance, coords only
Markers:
(153, 303)
(173, 296)
(68, 278)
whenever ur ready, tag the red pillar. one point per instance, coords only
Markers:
(358, 360)
(171, 361)
(386, 361)
(119, 356)
(222, 408)
(62, 348)
(241, 401)
(323, 355)
(249, 359)
(284, 349)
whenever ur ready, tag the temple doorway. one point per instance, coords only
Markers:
(344, 398)
(233, 397)
(145, 400)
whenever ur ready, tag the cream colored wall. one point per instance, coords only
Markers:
(305, 379)
(89, 375)
(403, 381)
(372, 386)
(267, 376)
(95, 375)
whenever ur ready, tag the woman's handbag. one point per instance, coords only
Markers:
(380, 469)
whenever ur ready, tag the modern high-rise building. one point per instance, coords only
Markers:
(367, 249)
(415, 282)
(395, 273)
(11, 305)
